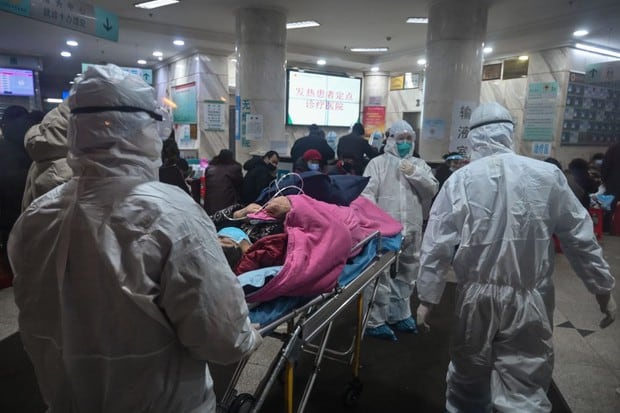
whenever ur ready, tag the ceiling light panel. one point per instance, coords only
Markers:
(417, 20)
(369, 49)
(596, 49)
(580, 33)
(302, 24)
(155, 4)
(72, 43)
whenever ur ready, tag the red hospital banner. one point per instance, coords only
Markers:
(374, 119)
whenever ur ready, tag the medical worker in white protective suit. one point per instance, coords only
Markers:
(122, 288)
(501, 210)
(401, 185)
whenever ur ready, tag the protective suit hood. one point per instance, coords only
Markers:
(398, 127)
(490, 130)
(129, 145)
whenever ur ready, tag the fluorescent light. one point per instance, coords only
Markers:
(53, 100)
(64, 53)
(580, 33)
(160, 58)
(157, 53)
(374, 69)
(321, 62)
(487, 50)
(523, 58)
(598, 50)
(419, 20)
(71, 82)
(422, 61)
(153, 4)
(141, 61)
(179, 42)
(369, 49)
(72, 43)
(302, 24)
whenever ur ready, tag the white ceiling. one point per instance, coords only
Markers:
(514, 27)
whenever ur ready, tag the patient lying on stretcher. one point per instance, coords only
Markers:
(315, 242)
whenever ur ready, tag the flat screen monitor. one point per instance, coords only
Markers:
(16, 82)
(323, 99)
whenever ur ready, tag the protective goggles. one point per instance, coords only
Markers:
(129, 109)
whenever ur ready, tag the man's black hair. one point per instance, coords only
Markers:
(233, 255)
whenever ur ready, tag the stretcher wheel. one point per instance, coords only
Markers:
(243, 403)
(353, 392)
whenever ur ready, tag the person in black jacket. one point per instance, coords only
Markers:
(610, 175)
(14, 165)
(261, 171)
(354, 149)
(314, 140)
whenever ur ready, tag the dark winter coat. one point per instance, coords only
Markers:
(317, 142)
(259, 177)
(14, 165)
(356, 148)
(610, 171)
(223, 183)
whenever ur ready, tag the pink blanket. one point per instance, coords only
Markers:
(320, 239)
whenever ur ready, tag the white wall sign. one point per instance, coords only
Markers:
(254, 127)
(540, 109)
(214, 115)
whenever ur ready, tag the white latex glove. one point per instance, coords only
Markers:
(406, 167)
(608, 306)
(423, 311)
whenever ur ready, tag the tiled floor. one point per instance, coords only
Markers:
(587, 358)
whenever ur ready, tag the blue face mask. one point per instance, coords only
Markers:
(403, 148)
(234, 233)
(313, 166)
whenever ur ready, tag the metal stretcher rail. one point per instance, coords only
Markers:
(306, 323)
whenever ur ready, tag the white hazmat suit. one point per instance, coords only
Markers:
(400, 186)
(501, 210)
(122, 288)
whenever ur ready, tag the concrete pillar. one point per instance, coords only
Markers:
(376, 93)
(261, 76)
(454, 43)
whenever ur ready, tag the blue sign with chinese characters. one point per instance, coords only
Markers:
(70, 14)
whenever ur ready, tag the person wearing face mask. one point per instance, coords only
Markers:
(500, 213)
(400, 184)
(453, 161)
(310, 161)
(261, 171)
(123, 292)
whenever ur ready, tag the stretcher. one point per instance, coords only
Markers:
(311, 320)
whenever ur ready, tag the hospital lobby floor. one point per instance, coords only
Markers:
(408, 375)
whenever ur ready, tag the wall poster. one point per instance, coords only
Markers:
(433, 129)
(184, 96)
(592, 111)
(397, 82)
(373, 119)
(540, 108)
(214, 115)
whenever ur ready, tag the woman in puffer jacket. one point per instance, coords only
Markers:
(46, 143)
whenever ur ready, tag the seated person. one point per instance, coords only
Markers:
(311, 160)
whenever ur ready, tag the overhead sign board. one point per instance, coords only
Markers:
(145, 74)
(70, 14)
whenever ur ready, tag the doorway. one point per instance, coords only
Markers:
(413, 118)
